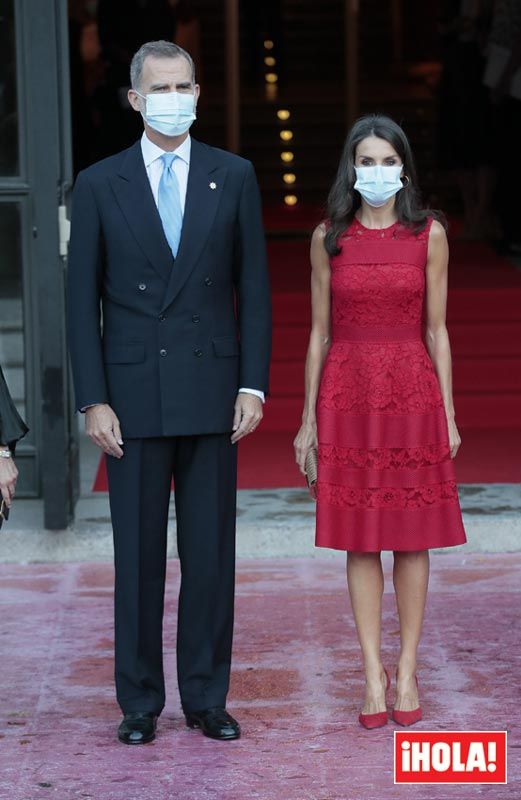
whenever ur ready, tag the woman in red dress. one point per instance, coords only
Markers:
(379, 405)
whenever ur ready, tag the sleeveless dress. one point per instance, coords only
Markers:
(385, 479)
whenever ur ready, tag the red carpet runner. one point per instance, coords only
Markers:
(484, 319)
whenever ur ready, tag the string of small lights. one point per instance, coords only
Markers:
(287, 156)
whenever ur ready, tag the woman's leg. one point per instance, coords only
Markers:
(411, 579)
(365, 581)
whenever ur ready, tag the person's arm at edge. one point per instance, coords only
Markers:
(319, 343)
(437, 336)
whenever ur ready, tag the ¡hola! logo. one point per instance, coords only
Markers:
(450, 757)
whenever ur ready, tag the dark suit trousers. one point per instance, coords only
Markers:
(205, 479)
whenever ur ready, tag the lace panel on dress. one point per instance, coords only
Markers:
(394, 379)
(387, 497)
(384, 457)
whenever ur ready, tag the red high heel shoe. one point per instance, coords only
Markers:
(407, 717)
(379, 719)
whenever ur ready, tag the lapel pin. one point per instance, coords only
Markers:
(213, 185)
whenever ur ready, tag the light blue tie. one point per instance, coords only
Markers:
(169, 203)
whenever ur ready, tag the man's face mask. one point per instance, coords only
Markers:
(169, 113)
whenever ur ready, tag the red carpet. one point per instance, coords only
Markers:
(484, 318)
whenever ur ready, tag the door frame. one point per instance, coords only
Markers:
(48, 456)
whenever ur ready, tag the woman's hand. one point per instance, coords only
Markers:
(454, 437)
(305, 439)
(8, 476)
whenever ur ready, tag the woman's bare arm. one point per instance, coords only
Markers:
(437, 337)
(319, 343)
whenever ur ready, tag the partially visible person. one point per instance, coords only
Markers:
(12, 429)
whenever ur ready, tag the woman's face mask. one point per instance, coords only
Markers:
(169, 113)
(378, 184)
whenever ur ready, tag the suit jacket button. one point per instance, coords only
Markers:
(142, 287)
(162, 352)
(196, 318)
(198, 351)
(208, 281)
(162, 318)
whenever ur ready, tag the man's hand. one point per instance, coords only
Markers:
(248, 414)
(102, 426)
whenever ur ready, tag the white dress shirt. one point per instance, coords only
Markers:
(154, 167)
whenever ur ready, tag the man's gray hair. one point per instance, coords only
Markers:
(160, 49)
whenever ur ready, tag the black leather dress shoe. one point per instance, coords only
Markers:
(215, 723)
(137, 727)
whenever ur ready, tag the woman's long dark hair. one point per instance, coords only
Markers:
(344, 200)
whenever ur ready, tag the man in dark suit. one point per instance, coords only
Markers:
(168, 236)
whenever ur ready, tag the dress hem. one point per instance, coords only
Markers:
(377, 529)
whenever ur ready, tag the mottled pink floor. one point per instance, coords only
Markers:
(297, 686)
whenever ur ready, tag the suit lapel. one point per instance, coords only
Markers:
(134, 195)
(205, 184)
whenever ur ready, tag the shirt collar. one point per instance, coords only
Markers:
(151, 152)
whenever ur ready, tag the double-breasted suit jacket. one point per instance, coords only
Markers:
(179, 337)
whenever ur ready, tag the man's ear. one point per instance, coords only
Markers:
(134, 99)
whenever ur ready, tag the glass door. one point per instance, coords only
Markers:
(35, 180)
(15, 345)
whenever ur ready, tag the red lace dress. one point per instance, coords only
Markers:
(385, 476)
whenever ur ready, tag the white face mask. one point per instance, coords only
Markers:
(378, 184)
(169, 113)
